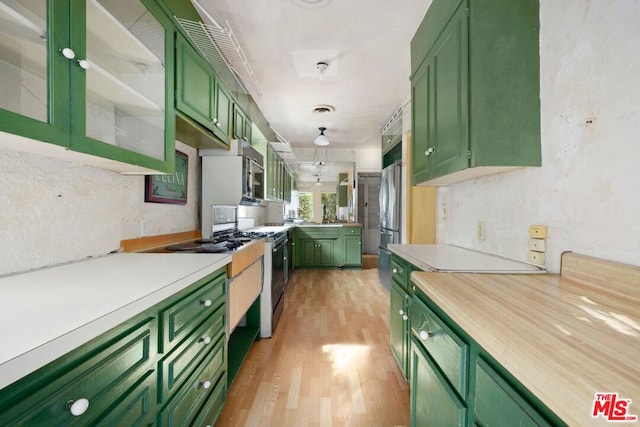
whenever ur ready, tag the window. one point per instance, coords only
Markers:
(305, 206)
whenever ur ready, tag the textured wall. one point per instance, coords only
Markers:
(588, 190)
(53, 211)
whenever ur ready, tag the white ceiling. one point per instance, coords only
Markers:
(365, 43)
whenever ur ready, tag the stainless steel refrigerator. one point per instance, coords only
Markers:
(390, 218)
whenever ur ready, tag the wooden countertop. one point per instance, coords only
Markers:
(562, 338)
(47, 313)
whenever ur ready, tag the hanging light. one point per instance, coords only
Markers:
(318, 183)
(321, 139)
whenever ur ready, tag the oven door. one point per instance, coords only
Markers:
(278, 265)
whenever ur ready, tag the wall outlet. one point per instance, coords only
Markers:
(538, 231)
(536, 258)
(538, 245)
(481, 231)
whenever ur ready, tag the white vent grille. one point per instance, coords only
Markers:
(221, 49)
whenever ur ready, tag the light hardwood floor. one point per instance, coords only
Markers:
(328, 363)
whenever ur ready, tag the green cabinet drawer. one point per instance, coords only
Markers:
(174, 368)
(318, 232)
(186, 311)
(449, 352)
(212, 407)
(188, 402)
(108, 371)
(352, 230)
(137, 408)
(400, 271)
(499, 405)
(433, 402)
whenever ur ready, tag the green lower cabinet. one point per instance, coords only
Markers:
(433, 402)
(189, 401)
(115, 369)
(167, 366)
(398, 327)
(353, 251)
(498, 405)
(315, 252)
(453, 380)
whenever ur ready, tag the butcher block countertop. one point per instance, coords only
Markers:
(47, 313)
(564, 337)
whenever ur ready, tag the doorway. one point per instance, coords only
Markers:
(369, 210)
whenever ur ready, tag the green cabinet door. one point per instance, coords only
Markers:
(195, 84)
(499, 405)
(475, 97)
(353, 251)
(440, 104)
(222, 116)
(398, 321)
(241, 124)
(433, 403)
(308, 252)
(91, 77)
(324, 253)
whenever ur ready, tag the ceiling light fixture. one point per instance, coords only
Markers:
(322, 67)
(321, 139)
(318, 183)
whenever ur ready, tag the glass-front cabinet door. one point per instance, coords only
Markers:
(30, 103)
(125, 76)
(89, 75)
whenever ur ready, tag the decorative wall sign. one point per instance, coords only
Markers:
(169, 188)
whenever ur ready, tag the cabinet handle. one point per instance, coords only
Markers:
(424, 335)
(405, 317)
(78, 407)
(206, 385)
(84, 64)
(395, 270)
(206, 340)
(68, 53)
(401, 312)
(429, 151)
(207, 303)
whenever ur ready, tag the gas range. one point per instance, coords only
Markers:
(227, 242)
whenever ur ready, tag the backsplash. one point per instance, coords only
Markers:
(54, 212)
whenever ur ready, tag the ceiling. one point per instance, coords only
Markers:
(364, 42)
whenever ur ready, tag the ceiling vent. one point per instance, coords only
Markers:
(323, 109)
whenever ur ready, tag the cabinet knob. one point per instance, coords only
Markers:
(68, 53)
(207, 303)
(405, 317)
(424, 335)
(401, 312)
(84, 64)
(429, 151)
(206, 340)
(395, 270)
(78, 407)
(206, 385)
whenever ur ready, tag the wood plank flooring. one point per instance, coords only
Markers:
(328, 363)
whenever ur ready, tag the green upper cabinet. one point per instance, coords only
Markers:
(475, 90)
(200, 95)
(92, 77)
(241, 124)
(342, 191)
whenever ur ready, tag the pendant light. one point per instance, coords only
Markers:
(321, 139)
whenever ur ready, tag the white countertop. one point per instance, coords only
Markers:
(455, 259)
(47, 313)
